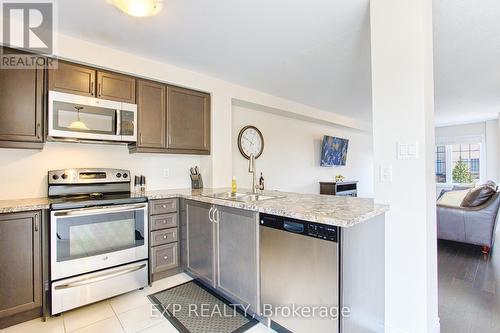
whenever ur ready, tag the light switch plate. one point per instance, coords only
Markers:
(407, 151)
(386, 173)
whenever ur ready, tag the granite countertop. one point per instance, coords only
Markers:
(23, 205)
(327, 209)
(332, 210)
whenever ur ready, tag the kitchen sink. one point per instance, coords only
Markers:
(225, 195)
(243, 197)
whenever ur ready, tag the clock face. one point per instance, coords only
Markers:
(250, 142)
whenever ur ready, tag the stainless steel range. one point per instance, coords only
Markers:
(98, 236)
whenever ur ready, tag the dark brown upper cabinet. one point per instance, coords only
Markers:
(151, 109)
(188, 120)
(21, 107)
(86, 81)
(73, 79)
(21, 262)
(115, 87)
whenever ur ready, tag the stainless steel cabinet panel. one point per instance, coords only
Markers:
(161, 237)
(200, 241)
(165, 221)
(237, 255)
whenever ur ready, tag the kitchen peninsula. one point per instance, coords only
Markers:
(217, 235)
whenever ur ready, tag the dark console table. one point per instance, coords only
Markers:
(345, 188)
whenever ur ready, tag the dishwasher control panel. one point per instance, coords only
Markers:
(305, 228)
(322, 231)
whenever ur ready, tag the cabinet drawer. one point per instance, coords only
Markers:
(163, 206)
(164, 257)
(159, 222)
(164, 236)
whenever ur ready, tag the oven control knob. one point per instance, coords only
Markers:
(118, 175)
(55, 177)
(125, 175)
(64, 176)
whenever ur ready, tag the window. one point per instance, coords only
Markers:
(448, 155)
(441, 164)
(470, 154)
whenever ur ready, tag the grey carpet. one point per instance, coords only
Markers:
(192, 308)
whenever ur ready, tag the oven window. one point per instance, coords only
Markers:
(90, 235)
(84, 118)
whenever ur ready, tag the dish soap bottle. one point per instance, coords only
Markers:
(234, 186)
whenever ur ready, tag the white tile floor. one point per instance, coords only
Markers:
(129, 313)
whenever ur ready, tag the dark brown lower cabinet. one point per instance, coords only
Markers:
(20, 267)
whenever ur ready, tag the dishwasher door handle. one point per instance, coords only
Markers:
(293, 227)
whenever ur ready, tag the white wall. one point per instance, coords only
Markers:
(217, 168)
(491, 136)
(26, 170)
(403, 112)
(472, 129)
(290, 161)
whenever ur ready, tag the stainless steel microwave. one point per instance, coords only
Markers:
(81, 118)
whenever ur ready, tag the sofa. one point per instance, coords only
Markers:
(472, 225)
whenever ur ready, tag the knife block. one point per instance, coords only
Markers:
(196, 181)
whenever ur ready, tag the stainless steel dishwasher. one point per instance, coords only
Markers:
(299, 268)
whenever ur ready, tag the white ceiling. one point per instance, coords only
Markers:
(316, 52)
(466, 60)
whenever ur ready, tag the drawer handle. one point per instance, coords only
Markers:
(164, 206)
(164, 221)
(164, 236)
(165, 257)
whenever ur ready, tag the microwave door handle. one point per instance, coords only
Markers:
(118, 122)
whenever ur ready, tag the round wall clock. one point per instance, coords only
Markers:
(250, 141)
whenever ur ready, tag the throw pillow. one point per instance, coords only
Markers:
(453, 198)
(478, 196)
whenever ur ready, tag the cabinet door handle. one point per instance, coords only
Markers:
(36, 223)
(38, 127)
(92, 88)
(99, 89)
(169, 139)
(140, 137)
(210, 214)
(165, 257)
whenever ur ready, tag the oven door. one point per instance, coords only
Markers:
(90, 239)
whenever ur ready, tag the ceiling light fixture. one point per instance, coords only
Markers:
(139, 8)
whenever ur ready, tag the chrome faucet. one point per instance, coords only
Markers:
(251, 169)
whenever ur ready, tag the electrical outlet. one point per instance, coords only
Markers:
(166, 173)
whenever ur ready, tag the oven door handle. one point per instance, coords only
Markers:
(98, 278)
(105, 209)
